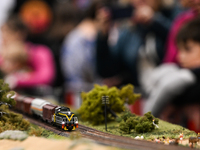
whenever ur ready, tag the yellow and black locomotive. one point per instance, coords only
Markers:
(64, 118)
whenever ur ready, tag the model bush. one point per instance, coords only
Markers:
(5, 94)
(139, 124)
(12, 121)
(8, 119)
(92, 108)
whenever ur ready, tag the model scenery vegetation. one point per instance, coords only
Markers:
(140, 124)
(8, 119)
(92, 108)
(14, 121)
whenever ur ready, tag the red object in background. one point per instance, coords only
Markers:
(191, 126)
(136, 107)
(37, 15)
(69, 97)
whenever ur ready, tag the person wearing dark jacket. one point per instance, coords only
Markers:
(149, 21)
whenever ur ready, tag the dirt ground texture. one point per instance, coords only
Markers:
(37, 143)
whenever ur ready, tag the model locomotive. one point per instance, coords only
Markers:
(56, 115)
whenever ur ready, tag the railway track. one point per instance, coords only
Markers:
(107, 138)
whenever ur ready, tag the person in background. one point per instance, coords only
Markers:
(150, 22)
(65, 19)
(40, 59)
(14, 62)
(78, 52)
(192, 13)
(171, 84)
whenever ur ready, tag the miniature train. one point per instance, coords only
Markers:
(56, 115)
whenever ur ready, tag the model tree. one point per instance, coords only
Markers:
(6, 95)
(8, 119)
(92, 108)
(139, 124)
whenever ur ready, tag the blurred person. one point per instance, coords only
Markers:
(78, 52)
(66, 17)
(179, 85)
(185, 3)
(14, 58)
(150, 20)
(5, 10)
(192, 13)
(14, 62)
(40, 59)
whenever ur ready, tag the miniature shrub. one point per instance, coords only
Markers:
(9, 120)
(123, 127)
(92, 108)
(5, 94)
(35, 131)
(126, 115)
(12, 121)
(139, 124)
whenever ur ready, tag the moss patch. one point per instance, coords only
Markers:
(35, 130)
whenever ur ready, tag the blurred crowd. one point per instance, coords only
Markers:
(62, 47)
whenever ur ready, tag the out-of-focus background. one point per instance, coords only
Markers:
(58, 48)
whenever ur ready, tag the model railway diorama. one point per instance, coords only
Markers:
(121, 133)
(56, 115)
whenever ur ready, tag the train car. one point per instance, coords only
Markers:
(19, 102)
(27, 105)
(60, 116)
(65, 119)
(37, 106)
(48, 112)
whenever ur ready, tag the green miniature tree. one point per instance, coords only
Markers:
(127, 94)
(127, 114)
(131, 123)
(8, 119)
(5, 94)
(92, 108)
(123, 127)
(139, 124)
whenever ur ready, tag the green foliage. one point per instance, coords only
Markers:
(139, 124)
(12, 121)
(127, 114)
(143, 127)
(92, 108)
(132, 122)
(127, 94)
(123, 126)
(6, 94)
(36, 131)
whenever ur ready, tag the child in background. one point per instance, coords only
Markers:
(39, 57)
(178, 84)
(14, 58)
(14, 62)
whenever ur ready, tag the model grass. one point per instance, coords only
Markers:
(165, 129)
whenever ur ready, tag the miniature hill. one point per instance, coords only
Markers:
(165, 129)
(92, 113)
